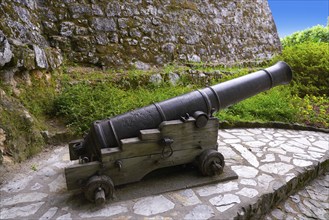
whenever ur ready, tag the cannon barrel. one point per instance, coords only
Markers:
(107, 133)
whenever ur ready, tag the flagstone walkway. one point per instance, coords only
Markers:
(271, 165)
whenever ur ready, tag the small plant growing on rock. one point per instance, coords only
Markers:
(34, 167)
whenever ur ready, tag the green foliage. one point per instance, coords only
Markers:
(307, 52)
(81, 96)
(34, 167)
(314, 34)
(23, 137)
(310, 64)
(38, 97)
(272, 105)
(81, 104)
(312, 110)
(23, 111)
(101, 95)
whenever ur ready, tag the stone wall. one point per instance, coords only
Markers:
(2, 144)
(37, 34)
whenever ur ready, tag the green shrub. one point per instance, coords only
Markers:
(83, 103)
(312, 110)
(314, 34)
(310, 64)
(92, 98)
(272, 105)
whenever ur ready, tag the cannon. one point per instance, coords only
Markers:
(180, 130)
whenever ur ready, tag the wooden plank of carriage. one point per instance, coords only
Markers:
(140, 155)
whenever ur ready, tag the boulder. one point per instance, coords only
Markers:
(5, 51)
(40, 57)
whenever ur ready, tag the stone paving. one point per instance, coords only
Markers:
(271, 164)
(309, 203)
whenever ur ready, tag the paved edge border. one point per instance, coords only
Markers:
(66, 136)
(280, 193)
(278, 125)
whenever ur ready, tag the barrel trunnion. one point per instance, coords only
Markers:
(180, 130)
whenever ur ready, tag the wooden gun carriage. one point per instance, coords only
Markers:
(181, 130)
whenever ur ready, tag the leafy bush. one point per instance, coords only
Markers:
(83, 103)
(310, 64)
(272, 105)
(314, 34)
(95, 96)
(312, 110)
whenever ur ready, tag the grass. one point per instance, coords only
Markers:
(23, 138)
(97, 98)
(84, 103)
(313, 110)
(79, 95)
(273, 105)
(38, 96)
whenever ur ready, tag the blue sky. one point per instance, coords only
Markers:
(296, 15)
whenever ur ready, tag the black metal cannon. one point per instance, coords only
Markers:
(180, 130)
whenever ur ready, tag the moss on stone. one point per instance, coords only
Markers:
(23, 130)
(176, 21)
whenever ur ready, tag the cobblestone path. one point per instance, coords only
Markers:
(270, 163)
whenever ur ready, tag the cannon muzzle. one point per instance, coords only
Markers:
(107, 133)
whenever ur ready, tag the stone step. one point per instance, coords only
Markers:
(308, 203)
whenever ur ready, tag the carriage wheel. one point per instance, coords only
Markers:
(98, 188)
(211, 162)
